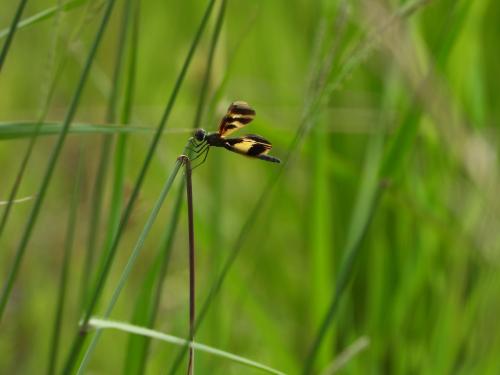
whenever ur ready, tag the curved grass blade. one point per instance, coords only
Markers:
(146, 308)
(43, 15)
(132, 259)
(125, 327)
(18, 200)
(347, 355)
(102, 276)
(16, 130)
(12, 31)
(52, 162)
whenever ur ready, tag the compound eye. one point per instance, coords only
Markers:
(200, 134)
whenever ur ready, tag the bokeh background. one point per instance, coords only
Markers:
(372, 248)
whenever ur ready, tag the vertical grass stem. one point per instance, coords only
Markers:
(132, 259)
(192, 289)
(12, 31)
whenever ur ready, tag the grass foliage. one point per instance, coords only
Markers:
(373, 247)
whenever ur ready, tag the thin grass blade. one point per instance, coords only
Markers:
(148, 303)
(132, 259)
(125, 327)
(17, 130)
(12, 31)
(67, 255)
(117, 194)
(43, 15)
(366, 202)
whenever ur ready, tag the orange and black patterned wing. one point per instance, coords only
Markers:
(251, 145)
(238, 115)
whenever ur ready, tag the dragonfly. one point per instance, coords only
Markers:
(238, 115)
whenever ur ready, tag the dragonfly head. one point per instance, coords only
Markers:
(200, 135)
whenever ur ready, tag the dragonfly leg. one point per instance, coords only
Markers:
(204, 158)
(196, 147)
(200, 152)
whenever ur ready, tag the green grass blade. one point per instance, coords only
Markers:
(146, 308)
(121, 143)
(52, 163)
(95, 216)
(67, 255)
(346, 356)
(125, 327)
(14, 201)
(208, 68)
(399, 147)
(363, 212)
(215, 171)
(320, 224)
(43, 15)
(138, 347)
(11, 32)
(132, 259)
(191, 257)
(147, 303)
(102, 276)
(17, 130)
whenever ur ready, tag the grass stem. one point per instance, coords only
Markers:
(132, 259)
(192, 285)
(12, 31)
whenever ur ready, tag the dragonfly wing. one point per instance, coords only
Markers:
(238, 115)
(249, 145)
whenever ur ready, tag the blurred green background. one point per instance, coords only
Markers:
(372, 249)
